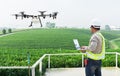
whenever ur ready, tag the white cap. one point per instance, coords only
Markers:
(95, 23)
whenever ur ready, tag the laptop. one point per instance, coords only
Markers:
(76, 43)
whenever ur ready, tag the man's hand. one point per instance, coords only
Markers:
(83, 49)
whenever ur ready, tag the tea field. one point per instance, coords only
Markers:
(118, 42)
(45, 39)
(14, 47)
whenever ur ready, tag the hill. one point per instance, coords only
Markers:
(50, 38)
(45, 38)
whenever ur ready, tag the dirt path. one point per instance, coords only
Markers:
(6, 34)
(113, 45)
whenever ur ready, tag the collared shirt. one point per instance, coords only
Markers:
(95, 44)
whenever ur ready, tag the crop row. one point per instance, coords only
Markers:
(17, 57)
(14, 57)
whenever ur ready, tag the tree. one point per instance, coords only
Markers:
(4, 31)
(9, 30)
(107, 27)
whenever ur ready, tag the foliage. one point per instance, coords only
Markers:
(16, 57)
(4, 31)
(117, 42)
(14, 48)
(11, 57)
(50, 25)
(107, 27)
(109, 35)
(45, 38)
(14, 72)
(9, 30)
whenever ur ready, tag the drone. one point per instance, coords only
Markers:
(42, 14)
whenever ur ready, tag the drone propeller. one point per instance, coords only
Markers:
(22, 13)
(54, 15)
(25, 16)
(50, 15)
(36, 17)
(16, 15)
(42, 12)
(44, 17)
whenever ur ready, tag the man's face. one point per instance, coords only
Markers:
(92, 30)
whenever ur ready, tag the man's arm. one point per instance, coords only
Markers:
(92, 46)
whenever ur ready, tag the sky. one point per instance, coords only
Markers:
(72, 13)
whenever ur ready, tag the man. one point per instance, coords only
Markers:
(95, 52)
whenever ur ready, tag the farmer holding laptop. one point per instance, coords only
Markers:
(95, 52)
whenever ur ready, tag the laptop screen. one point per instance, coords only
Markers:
(76, 43)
